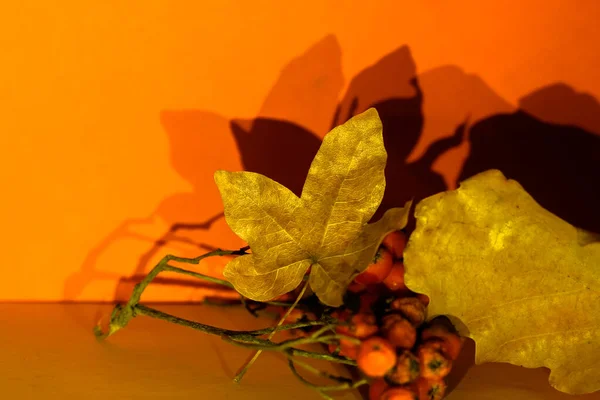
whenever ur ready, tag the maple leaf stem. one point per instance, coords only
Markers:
(255, 356)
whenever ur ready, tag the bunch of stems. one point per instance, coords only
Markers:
(257, 340)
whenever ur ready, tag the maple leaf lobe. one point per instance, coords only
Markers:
(326, 228)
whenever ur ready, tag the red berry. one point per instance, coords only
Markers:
(400, 332)
(376, 357)
(362, 325)
(395, 242)
(395, 279)
(379, 268)
(412, 308)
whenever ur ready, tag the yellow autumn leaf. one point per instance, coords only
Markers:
(518, 280)
(325, 229)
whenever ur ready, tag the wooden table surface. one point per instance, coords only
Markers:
(48, 351)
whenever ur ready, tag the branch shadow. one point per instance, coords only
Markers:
(190, 134)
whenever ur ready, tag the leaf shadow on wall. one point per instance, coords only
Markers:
(557, 163)
(182, 212)
(392, 87)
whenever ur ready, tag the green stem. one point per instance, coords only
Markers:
(122, 314)
(321, 331)
(170, 268)
(246, 338)
(262, 344)
(163, 266)
(248, 364)
(321, 356)
(286, 344)
(229, 333)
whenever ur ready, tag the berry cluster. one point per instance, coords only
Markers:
(406, 358)
(382, 326)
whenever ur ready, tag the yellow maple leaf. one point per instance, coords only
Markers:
(518, 280)
(325, 229)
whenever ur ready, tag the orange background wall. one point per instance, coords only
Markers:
(115, 114)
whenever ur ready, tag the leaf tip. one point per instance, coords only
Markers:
(371, 113)
(369, 118)
(219, 175)
(223, 179)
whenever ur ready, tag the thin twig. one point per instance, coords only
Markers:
(255, 356)
(323, 374)
(170, 268)
(322, 356)
(231, 334)
(121, 315)
(328, 388)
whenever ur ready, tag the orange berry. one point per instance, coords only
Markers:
(412, 308)
(345, 349)
(389, 319)
(423, 298)
(430, 389)
(376, 357)
(362, 325)
(378, 269)
(395, 242)
(376, 389)
(406, 370)
(395, 279)
(451, 342)
(432, 362)
(401, 333)
(356, 287)
(399, 393)
(349, 349)
(448, 347)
